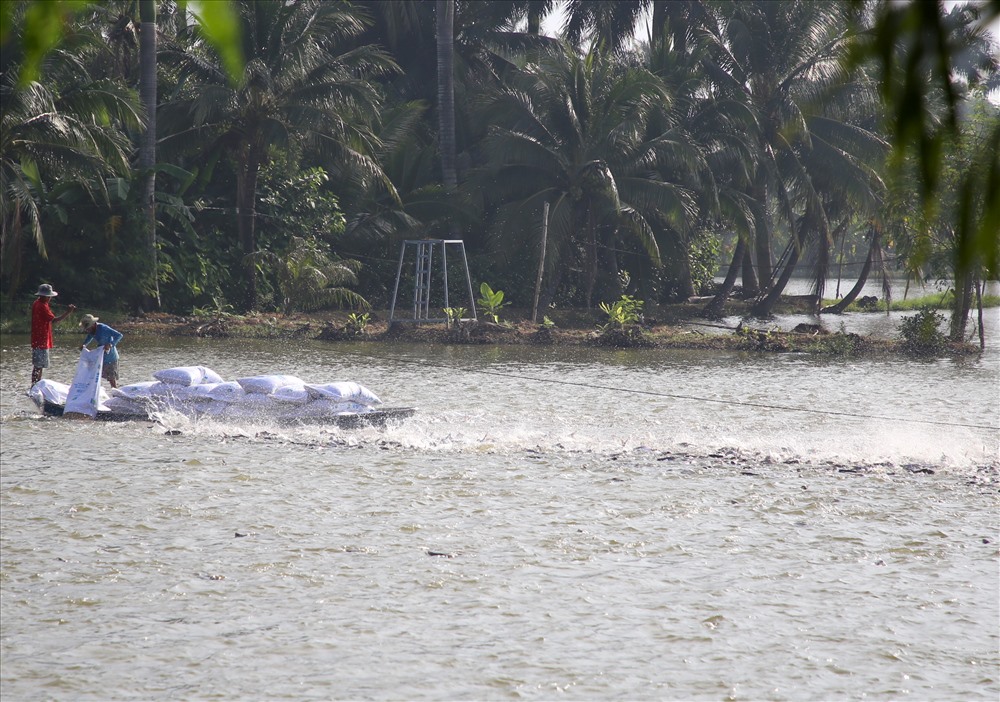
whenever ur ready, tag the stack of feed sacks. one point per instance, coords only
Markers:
(197, 390)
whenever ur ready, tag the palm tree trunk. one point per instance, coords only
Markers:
(445, 10)
(862, 278)
(979, 310)
(591, 264)
(713, 310)
(534, 28)
(685, 283)
(534, 18)
(764, 306)
(660, 9)
(246, 204)
(762, 240)
(822, 272)
(147, 148)
(751, 286)
(608, 279)
(961, 306)
(551, 288)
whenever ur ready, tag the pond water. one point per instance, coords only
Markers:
(900, 288)
(553, 523)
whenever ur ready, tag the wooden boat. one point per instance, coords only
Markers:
(374, 417)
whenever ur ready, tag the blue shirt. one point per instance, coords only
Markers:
(105, 335)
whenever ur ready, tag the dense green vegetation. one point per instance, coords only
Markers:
(298, 143)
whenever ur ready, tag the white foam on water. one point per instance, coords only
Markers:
(849, 443)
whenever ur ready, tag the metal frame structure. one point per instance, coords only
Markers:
(423, 266)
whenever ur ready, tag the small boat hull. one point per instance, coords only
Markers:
(356, 420)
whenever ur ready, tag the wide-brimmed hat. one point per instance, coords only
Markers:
(45, 290)
(88, 321)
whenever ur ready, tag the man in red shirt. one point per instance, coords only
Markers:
(42, 319)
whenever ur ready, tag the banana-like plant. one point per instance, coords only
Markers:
(491, 302)
(454, 315)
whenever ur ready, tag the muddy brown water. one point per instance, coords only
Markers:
(553, 523)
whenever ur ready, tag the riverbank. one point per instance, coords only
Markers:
(677, 326)
(668, 327)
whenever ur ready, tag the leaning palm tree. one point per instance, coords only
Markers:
(843, 163)
(786, 58)
(775, 51)
(300, 87)
(687, 52)
(573, 132)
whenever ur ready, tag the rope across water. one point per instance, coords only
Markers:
(679, 396)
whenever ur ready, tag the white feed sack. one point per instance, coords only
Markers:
(267, 384)
(123, 405)
(343, 391)
(201, 393)
(227, 392)
(328, 408)
(46, 390)
(187, 375)
(134, 391)
(291, 394)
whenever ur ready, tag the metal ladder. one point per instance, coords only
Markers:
(422, 280)
(422, 277)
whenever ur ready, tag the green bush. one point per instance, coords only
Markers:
(357, 323)
(622, 313)
(623, 330)
(453, 315)
(921, 333)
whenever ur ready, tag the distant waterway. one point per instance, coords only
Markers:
(553, 523)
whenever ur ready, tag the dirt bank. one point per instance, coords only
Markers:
(675, 327)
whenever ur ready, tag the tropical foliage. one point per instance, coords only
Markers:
(62, 143)
(490, 302)
(296, 141)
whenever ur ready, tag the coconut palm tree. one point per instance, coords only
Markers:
(66, 128)
(843, 162)
(776, 51)
(303, 84)
(687, 53)
(573, 132)
(786, 59)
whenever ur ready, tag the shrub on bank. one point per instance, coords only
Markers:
(922, 335)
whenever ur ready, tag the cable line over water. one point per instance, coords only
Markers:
(677, 396)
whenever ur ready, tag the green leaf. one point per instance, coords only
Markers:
(45, 24)
(118, 188)
(221, 26)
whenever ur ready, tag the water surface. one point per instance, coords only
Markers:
(553, 523)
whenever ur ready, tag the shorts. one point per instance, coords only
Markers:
(110, 372)
(40, 358)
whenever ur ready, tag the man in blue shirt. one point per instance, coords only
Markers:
(107, 337)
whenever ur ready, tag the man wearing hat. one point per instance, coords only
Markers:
(108, 338)
(42, 319)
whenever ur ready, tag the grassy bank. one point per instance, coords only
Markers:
(665, 326)
(934, 301)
